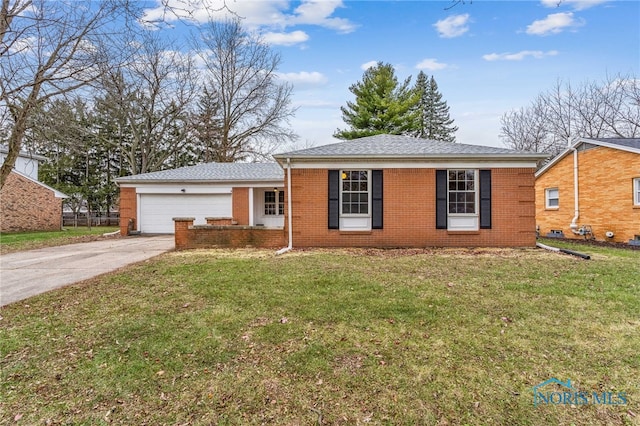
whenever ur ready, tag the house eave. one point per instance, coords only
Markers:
(576, 144)
(126, 181)
(281, 159)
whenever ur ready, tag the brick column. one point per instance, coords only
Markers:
(182, 225)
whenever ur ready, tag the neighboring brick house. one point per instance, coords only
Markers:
(398, 191)
(25, 203)
(605, 204)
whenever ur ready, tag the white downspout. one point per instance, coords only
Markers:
(290, 224)
(574, 225)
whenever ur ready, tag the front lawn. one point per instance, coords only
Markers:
(436, 336)
(19, 241)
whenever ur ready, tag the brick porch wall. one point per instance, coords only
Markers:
(27, 206)
(188, 236)
(409, 212)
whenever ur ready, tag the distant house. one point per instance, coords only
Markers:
(591, 190)
(27, 204)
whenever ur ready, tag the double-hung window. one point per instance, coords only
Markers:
(552, 198)
(636, 192)
(355, 192)
(273, 203)
(462, 199)
(355, 200)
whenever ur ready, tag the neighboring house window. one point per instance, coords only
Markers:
(552, 197)
(636, 191)
(355, 192)
(463, 199)
(271, 208)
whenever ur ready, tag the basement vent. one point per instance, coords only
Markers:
(555, 233)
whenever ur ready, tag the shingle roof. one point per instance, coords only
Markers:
(394, 146)
(628, 142)
(212, 172)
(4, 149)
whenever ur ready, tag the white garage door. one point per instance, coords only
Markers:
(158, 210)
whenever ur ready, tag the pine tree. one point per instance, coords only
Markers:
(435, 122)
(382, 105)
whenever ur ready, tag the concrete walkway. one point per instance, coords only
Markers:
(25, 274)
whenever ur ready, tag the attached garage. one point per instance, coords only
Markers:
(158, 210)
(236, 191)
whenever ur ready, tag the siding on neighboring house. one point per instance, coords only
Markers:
(26, 205)
(605, 194)
(409, 212)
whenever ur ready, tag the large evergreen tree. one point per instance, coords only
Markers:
(434, 120)
(382, 105)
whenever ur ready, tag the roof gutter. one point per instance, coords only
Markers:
(289, 216)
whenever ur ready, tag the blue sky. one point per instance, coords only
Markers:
(488, 57)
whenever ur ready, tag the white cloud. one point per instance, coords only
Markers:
(575, 4)
(304, 79)
(431, 64)
(254, 14)
(318, 12)
(368, 65)
(452, 26)
(285, 39)
(519, 56)
(552, 24)
(23, 45)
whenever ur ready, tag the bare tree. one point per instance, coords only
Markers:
(241, 76)
(47, 48)
(565, 113)
(151, 94)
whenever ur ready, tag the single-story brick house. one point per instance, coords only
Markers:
(591, 190)
(27, 204)
(378, 191)
(247, 194)
(398, 191)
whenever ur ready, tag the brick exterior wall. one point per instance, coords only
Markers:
(240, 205)
(128, 209)
(605, 183)
(409, 212)
(188, 236)
(27, 206)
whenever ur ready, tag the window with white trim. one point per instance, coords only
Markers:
(271, 207)
(354, 192)
(462, 193)
(552, 198)
(636, 191)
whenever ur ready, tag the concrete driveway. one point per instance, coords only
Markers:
(32, 272)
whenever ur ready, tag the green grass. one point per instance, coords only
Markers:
(18, 241)
(329, 337)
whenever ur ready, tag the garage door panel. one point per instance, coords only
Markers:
(158, 210)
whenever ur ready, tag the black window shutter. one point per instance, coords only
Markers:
(376, 199)
(441, 199)
(485, 199)
(334, 199)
